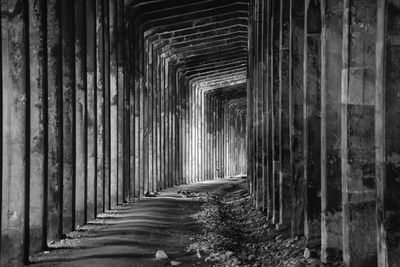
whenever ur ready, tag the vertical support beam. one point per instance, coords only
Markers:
(68, 114)
(312, 120)
(100, 107)
(107, 106)
(80, 114)
(54, 133)
(380, 132)
(331, 63)
(357, 136)
(387, 129)
(14, 141)
(296, 131)
(114, 104)
(119, 24)
(37, 138)
(284, 146)
(91, 108)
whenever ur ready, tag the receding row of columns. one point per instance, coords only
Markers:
(322, 123)
(62, 127)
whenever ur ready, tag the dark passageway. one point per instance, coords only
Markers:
(107, 102)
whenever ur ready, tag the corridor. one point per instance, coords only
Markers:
(105, 102)
(133, 233)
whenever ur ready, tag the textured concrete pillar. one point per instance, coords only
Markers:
(14, 106)
(357, 137)
(284, 146)
(267, 129)
(68, 110)
(119, 24)
(107, 107)
(296, 115)
(274, 97)
(91, 108)
(114, 103)
(80, 114)
(312, 120)
(37, 157)
(54, 133)
(331, 62)
(386, 132)
(100, 107)
(250, 99)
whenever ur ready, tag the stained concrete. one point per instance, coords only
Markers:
(131, 234)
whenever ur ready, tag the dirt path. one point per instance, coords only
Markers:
(132, 234)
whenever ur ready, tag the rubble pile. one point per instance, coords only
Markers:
(234, 233)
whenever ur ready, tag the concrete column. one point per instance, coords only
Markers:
(122, 93)
(68, 115)
(274, 102)
(312, 121)
(14, 147)
(357, 137)
(114, 108)
(284, 146)
(80, 114)
(100, 107)
(250, 88)
(386, 132)
(37, 112)
(149, 83)
(107, 106)
(296, 115)
(266, 97)
(162, 122)
(91, 108)
(54, 133)
(331, 55)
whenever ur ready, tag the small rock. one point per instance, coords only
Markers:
(307, 253)
(175, 263)
(229, 254)
(161, 255)
(150, 194)
(198, 254)
(278, 237)
(314, 262)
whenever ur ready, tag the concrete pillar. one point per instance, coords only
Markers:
(14, 147)
(386, 132)
(37, 142)
(107, 106)
(122, 93)
(91, 108)
(331, 62)
(274, 105)
(357, 137)
(296, 114)
(312, 121)
(68, 115)
(250, 99)
(54, 133)
(266, 99)
(284, 146)
(114, 103)
(80, 114)
(100, 107)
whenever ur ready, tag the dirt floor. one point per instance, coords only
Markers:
(133, 233)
